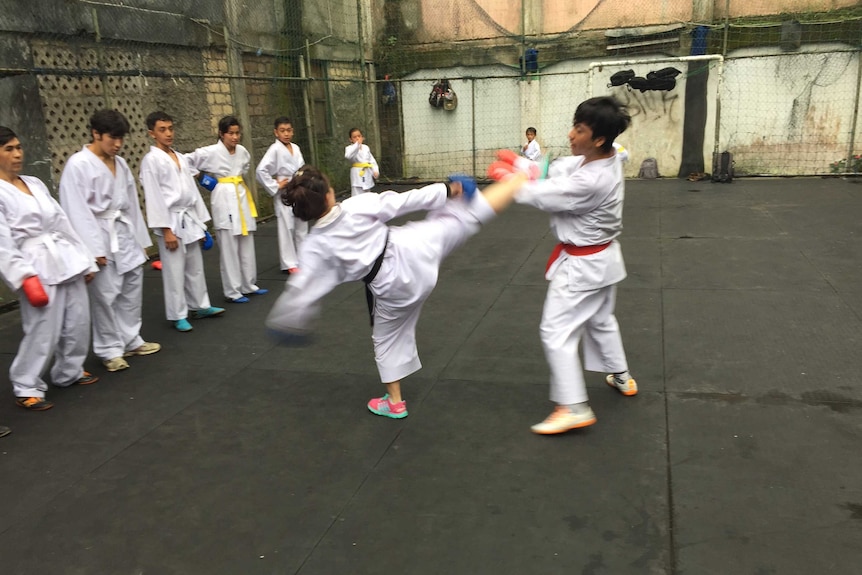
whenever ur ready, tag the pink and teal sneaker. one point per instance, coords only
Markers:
(383, 406)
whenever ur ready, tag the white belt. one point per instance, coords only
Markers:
(112, 216)
(183, 212)
(49, 240)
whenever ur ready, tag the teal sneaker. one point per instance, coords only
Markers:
(208, 312)
(183, 325)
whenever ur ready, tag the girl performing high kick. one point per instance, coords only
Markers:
(351, 241)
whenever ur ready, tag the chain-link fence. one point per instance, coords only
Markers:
(777, 84)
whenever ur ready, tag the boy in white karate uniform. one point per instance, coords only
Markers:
(274, 171)
(178, 216)
(363, 169)
(233, 210)
(48, 265)
(531, 150)
(584, 194)
(351, 241)
(98, 192)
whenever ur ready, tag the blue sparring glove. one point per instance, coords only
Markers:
(208, 182)
(468, 185)
(208, 241)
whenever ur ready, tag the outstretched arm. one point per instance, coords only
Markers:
(299, 305)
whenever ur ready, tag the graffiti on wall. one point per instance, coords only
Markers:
(651, 105)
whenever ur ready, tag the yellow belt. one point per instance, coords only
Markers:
(362, 168)
(237, 181)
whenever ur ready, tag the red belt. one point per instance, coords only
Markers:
(573, 250)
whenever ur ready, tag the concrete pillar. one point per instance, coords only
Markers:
(237, 85)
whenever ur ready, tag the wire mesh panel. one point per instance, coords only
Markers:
(796, 119)
(781, 93)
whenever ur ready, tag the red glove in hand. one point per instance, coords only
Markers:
(35, 292)
(532, 169)
(499, 171)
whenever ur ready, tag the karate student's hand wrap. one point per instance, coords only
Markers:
(35, 292)
(520, 163)
(468, 185)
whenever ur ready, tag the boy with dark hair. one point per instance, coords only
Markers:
(281, 161)
(177, 215)
(47, 264)
(233, 210)
(363, 168)
(584, 195)
(531, 150)
(97, 191)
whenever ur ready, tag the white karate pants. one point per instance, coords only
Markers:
(238, 263)
(567, 317)
(59, 330)
(115, 303)
(291, 233)
(183, 279)
(418, 247)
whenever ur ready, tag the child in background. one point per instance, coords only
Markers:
(531, 150)
(47, 263)
(363, 169)
(351, 241)
(98, 192)
(584, 194)
(233, 210)
(281, 161)
(177, 215)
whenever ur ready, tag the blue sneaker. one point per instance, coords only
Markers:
(240, 299)
(208, 312)
(259, 291)
(183, 325)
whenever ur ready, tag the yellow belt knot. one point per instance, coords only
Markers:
(362, 168)
(237, 181)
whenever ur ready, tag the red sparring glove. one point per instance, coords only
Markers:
(499, 171)
(35, 292)
(532, 169)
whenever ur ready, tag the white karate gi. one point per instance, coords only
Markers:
(104, 210)
(533, 151)
(173, 201)
(586, 207)
(361, 176)
(343, 246)
(231, 212)
(36, 238)
(279, 163)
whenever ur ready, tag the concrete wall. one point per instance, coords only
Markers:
(496, 106)
(439, 20)
(781, 113)
(797, 116)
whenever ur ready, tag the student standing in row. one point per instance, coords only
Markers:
(178, 216)
(363, 169)
(47, 263)
(281, 161)
(233, 210)
(98, 192)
